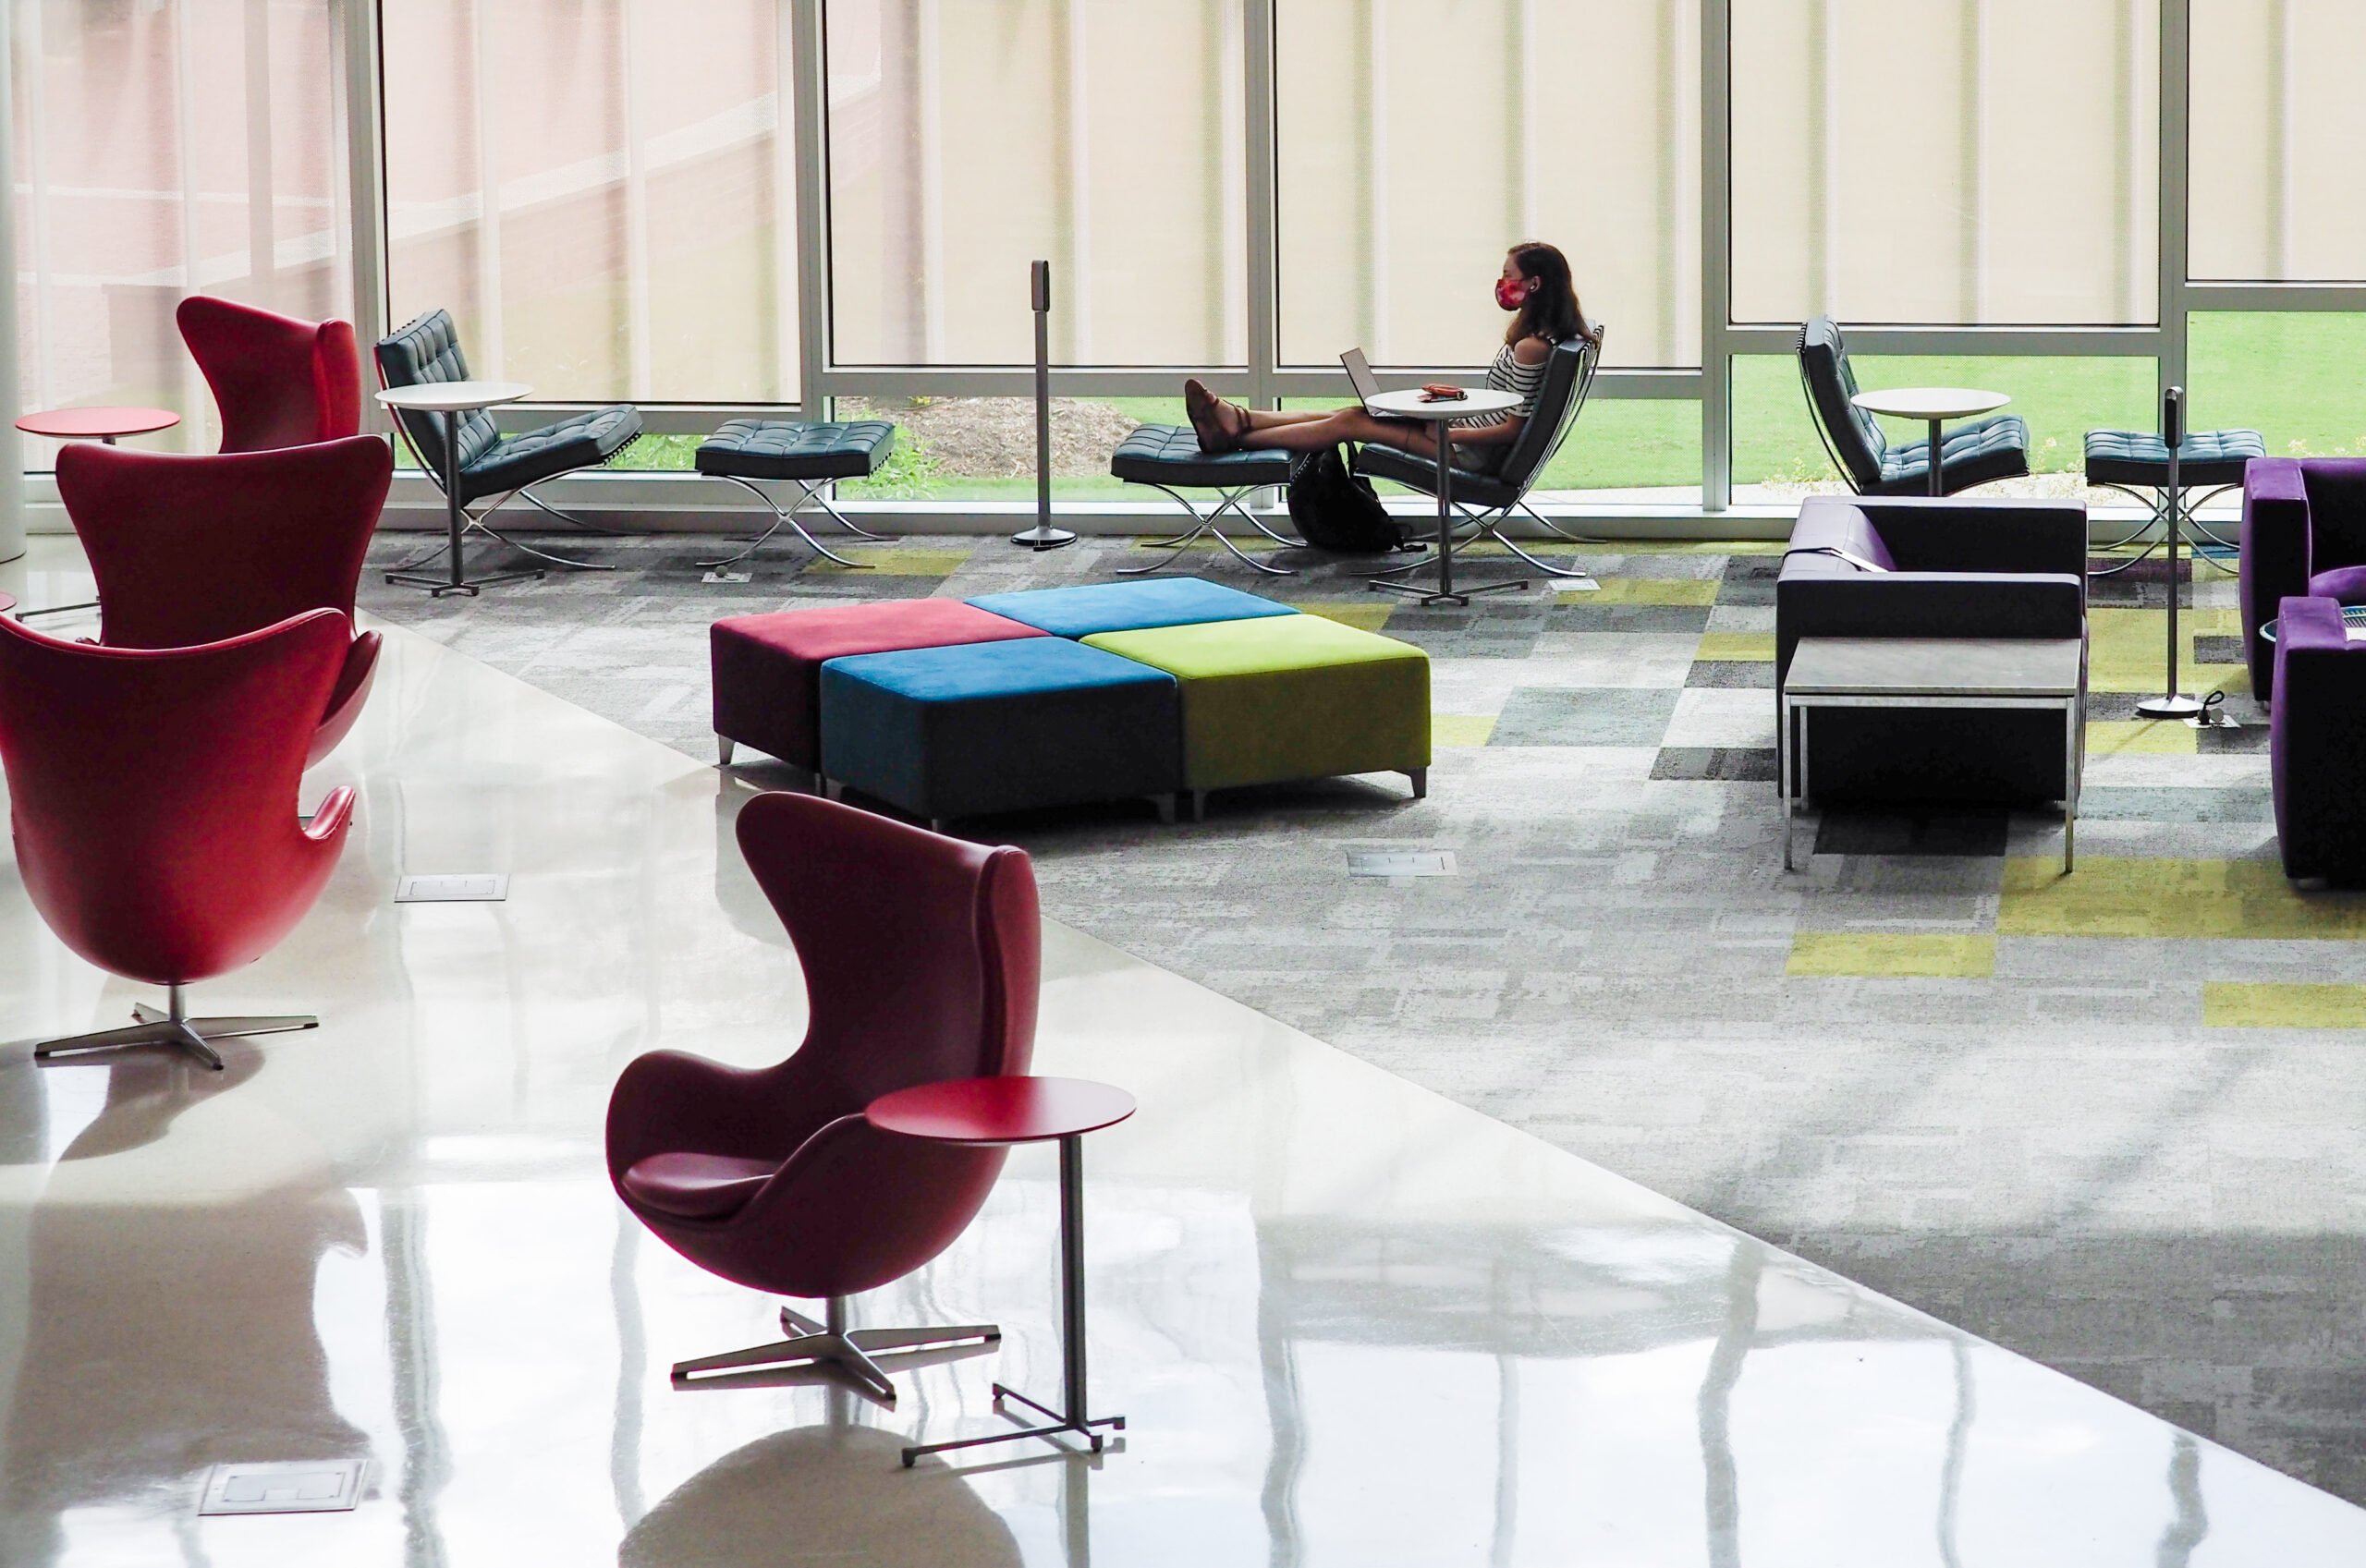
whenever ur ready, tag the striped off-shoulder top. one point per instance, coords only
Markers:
(1507, 374)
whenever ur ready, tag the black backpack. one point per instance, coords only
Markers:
(1334, 510)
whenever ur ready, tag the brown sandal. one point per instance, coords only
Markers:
(1208, 421)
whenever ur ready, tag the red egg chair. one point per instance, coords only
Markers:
(279, 381)
(190, 550)
(153, 794)
(921, 959)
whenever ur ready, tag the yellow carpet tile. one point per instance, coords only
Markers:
(2170, 898)
(1739, 647)
(1364, 615)
(2239, 1004)
(1461, 729)
(2150, 738)
(2127, 649)
(1893, 955)
(893, 563)
(1645, 590)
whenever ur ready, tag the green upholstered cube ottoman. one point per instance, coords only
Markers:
(1289, 696)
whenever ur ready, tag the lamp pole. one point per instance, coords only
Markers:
(1042, 536)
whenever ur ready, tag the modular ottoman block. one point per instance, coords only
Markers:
(768, 668)
(1128, 606)
(1001, 727)
(1289, 696)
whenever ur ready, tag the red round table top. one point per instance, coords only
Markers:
(86, 424)
(1005, 1110)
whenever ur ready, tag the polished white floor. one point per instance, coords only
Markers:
(1350, 1323)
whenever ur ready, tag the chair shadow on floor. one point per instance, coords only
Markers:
(145, 1092)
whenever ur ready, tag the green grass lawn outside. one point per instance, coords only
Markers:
(2293, 376)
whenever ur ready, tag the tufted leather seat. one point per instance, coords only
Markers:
(2140, 458)
(1170, 455)
(784, 449)
(1994, 448)
(427, 351)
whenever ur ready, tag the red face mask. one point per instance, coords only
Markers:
(1512, 293)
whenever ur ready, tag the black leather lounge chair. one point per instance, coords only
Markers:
(1994, 448)
(492, 463)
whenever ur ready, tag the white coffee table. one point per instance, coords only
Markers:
(1935, 406)
(1439, 417)
(1933, 672)
(451, 399)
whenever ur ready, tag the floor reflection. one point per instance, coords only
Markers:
(163, 1339)
(821, 1494)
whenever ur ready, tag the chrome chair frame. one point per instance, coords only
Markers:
(173, 1027)
(815, 490)
(1207, 524)
(830, 1347)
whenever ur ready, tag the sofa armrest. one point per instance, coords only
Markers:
(1941, 535)
(2274, 546)
(1966, 604)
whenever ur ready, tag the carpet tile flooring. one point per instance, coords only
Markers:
(2114, 1121)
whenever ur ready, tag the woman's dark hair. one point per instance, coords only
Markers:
(1552, 312)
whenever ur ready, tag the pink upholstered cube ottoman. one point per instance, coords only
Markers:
(768, 668)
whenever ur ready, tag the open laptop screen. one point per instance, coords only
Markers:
(1360, 375)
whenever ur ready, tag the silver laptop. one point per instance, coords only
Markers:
(1360, 375)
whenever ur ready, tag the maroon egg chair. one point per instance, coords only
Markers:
(922, 958)
(153, 794)
(279, 381)
(197, 549)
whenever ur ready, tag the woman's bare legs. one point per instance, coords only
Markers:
(1311, 432)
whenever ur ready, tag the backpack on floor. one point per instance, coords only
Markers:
(1335, 509)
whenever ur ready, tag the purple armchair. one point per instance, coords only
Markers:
(2317, 743)
(2304, 533)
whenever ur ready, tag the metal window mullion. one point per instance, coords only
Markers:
(2176, 97)
(491, 342)
(1716, 255)
(262, 249)
(640, 374)
(931, 128)
(810, 101)
(194, 402)
(36, 217)
(366, 181)
(1263, 214)
(12, 445)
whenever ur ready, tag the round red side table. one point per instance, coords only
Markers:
(1023, 1109)
(97, 424)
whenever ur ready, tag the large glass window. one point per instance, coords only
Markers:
(601, 192)
(2276, 123)
(164, 149)
(2291, 375)
(1975, 164)
(969, 137)
(1417, 142)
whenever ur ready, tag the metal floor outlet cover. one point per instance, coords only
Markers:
(1400, 863)
(297, 1487)
(473, 887)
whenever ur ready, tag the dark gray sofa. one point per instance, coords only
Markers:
(1957, 568)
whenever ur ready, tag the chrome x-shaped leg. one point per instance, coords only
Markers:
(1207, 524)
(832, 1347)
(172, 1027)
(2156, 508)
(1488, 525)
(814, 491)
(477, 524)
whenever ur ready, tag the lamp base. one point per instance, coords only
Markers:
(2170, 707)
(1042, 536)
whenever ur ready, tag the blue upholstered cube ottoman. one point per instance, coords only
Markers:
(1001, 727)
(1128, 606)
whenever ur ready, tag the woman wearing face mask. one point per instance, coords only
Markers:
(1535, 287)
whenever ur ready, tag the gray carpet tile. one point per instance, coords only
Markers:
(2040, 1137)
